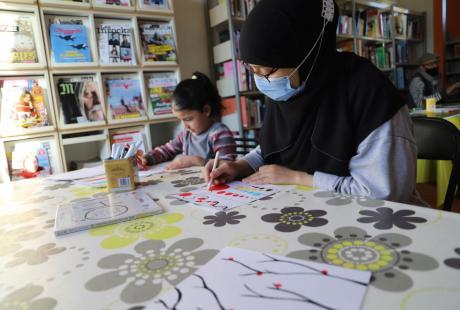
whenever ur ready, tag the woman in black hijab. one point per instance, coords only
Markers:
(333, 120)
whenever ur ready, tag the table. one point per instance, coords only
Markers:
(438, 171)
(413, 252)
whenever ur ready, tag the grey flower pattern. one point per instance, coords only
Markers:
(386, 218)
(48, 224)
(178, 202)
(293, 218)
(27, 298)
(337, 199)
(35, 257)
(385, 255)
(22, 217)
(59, 185)
(186, 172)
(150, 182)
(11, 240)
(143, 275)
(188, 181)
(221, 218)
(454, 262)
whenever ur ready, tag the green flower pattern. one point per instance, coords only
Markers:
(154, 228)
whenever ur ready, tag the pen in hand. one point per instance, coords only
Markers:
(214, 166)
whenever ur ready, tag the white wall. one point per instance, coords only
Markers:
(192, 36)
(422, 6)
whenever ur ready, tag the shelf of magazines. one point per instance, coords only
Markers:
(107, 39)
(161, 7)
(31, 156)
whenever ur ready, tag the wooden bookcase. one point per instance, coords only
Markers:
(83, 141)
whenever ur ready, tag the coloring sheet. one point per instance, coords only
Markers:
(227, 196)
(242, 279)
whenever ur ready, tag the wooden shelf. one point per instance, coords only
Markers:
(364, 38)
(454, 58)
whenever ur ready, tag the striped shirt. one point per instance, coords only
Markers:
(205, 145)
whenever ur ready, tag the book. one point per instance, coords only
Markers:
(158, 41)
(69, 43)
(80, 100)
(400, 25)
(23, 103)
(161, 87)
(17, 37)
(115, 44)
(124, 3)
(156, 4)
(107, 210)
(30, 159)
(124, 98)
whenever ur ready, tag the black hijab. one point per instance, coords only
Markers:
(345, 97)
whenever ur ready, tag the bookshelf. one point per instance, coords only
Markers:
(242, 102)
(393, 38)
(148, 71)
(452, 60)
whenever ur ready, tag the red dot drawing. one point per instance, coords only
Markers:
(219, 187)
(278, 285)
(231, 258)
(185, 194)
(324, 272)
(259, 273)
(220, 192)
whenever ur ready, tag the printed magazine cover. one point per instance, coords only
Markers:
(158, 42)
(80, 100)
(17, 37)
(161, 87)
(115, 44)
(30, 160)
(69, 43)
(125, 98)
(23, 104)
(157, 4)
(125, 3)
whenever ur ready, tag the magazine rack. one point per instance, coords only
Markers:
(70, 140)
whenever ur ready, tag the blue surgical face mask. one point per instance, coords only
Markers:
(278, 89)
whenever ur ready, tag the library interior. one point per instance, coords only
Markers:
(229, 154)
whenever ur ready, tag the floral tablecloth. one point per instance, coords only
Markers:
(414, 253)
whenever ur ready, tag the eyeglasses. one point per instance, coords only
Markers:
(266, 76)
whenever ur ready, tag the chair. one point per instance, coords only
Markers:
(439, 139)
(245, 145)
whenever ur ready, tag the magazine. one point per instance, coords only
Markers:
(125, 98)
(110, 209)
(17, 37)
(30, 160)
(130, 137)
(161, 87)
(115, 44)
(69, 43)
(156, 4)
(23, 103)
(124, 3)
(80, 100)
(158, 42)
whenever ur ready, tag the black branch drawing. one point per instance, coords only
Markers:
(313, 271)
(173, 307)
(294, 296)
(214, 294)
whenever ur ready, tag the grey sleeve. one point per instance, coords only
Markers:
(384, 167)
(254, 158)
(416, 89)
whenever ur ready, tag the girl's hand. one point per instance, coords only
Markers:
(274, 174)
(181, 162)
(227, 171)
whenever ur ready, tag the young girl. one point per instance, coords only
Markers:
(197, 104)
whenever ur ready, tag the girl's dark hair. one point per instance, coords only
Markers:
(195, 93)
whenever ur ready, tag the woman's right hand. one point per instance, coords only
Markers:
(227, 171)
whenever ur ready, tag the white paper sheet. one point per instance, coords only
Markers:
(242, 279)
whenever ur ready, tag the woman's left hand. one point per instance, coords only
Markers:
(181, 162)
(274, 174)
